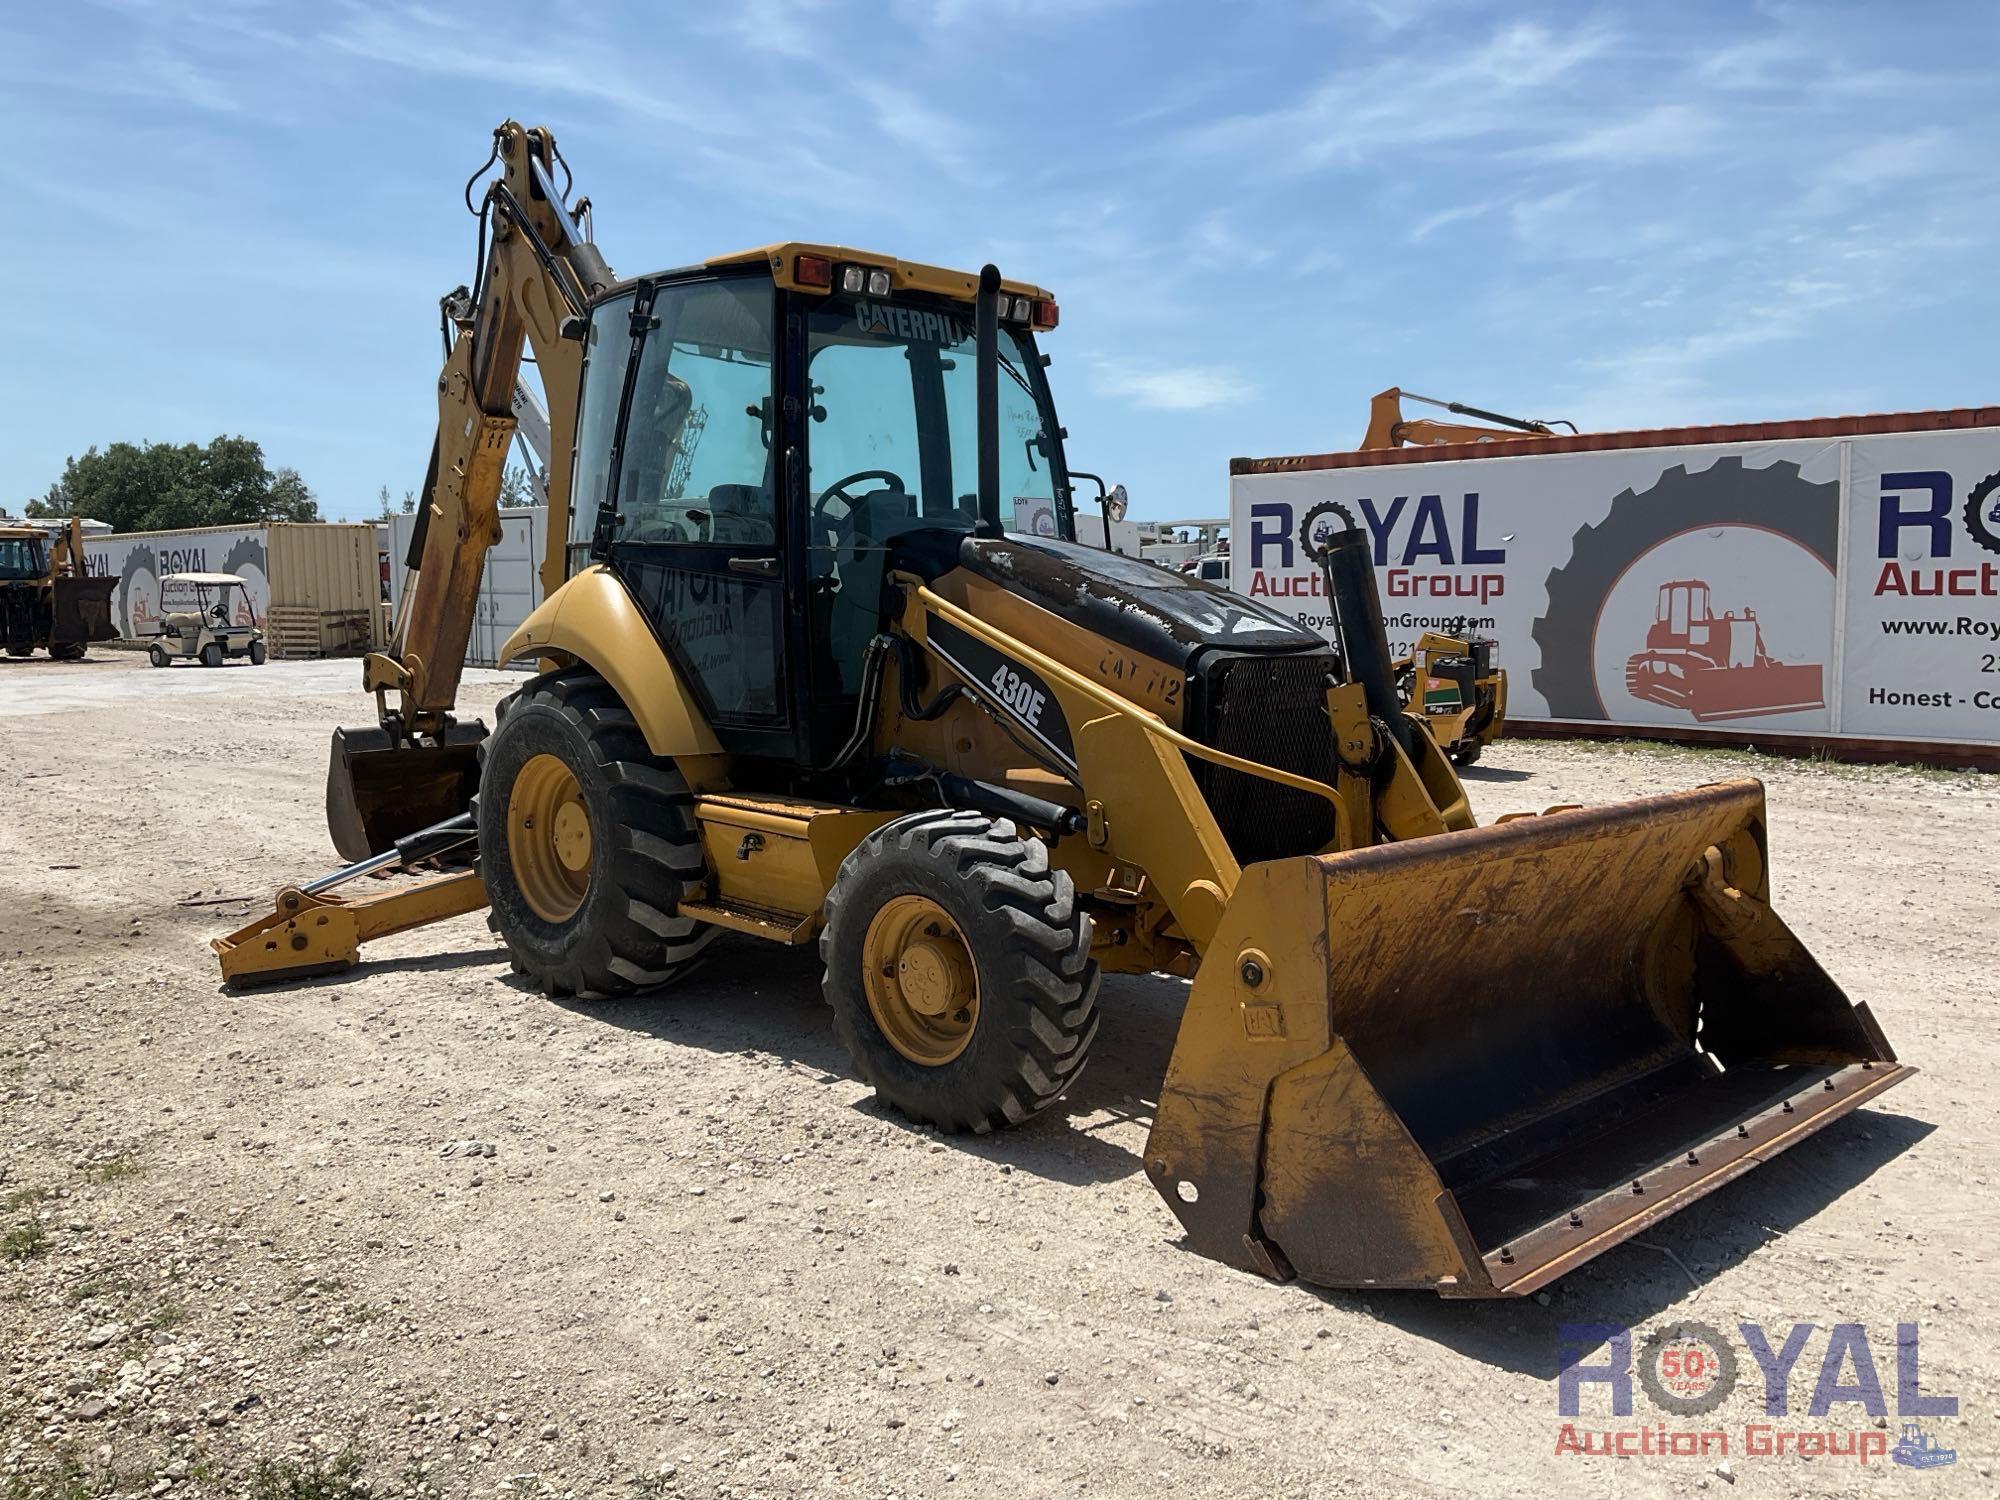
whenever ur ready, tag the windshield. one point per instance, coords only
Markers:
(895, 419)
(20, 557)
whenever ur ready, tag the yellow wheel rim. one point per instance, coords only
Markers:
(922, 988)
(548, 838)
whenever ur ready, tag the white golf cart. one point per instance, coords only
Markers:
(199, 621)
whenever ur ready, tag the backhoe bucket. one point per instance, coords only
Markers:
(380, 788)
(1471, 1062)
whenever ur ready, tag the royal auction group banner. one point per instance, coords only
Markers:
(1825, 587)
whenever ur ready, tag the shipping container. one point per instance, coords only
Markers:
(509, 588)
(314, 585)
(1828, 583)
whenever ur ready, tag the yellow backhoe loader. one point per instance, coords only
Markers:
(797, 683)
(47, 596)
(1454, 683)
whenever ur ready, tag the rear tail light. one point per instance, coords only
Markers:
(813, 271)
(1047, 314)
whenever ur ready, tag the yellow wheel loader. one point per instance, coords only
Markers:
(797, 683)
(1454, 684)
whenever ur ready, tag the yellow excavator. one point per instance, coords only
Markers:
(797, 682)
(1389, 428)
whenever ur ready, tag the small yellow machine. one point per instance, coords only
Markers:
(798, 684)
(1453, 682)
(47, 597)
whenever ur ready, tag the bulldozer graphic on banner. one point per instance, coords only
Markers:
(1716, 666)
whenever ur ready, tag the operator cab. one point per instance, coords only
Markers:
(762, 437)
(23, 554)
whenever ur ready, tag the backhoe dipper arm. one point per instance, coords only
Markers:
(538, 273)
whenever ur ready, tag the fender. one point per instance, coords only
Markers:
(592, 620)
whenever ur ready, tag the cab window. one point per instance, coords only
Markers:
(696, 465)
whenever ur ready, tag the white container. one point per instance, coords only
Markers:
(1833, 581)
(325, 567)
(509, 589)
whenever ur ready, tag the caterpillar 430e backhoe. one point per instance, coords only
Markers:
(799, 683)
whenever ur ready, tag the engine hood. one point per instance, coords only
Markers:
(1169, 616)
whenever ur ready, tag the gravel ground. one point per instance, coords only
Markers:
(415, 1230)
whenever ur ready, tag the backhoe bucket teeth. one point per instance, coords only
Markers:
(1473, 1061)
(380, 789)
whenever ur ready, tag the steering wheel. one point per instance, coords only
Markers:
(836, 532)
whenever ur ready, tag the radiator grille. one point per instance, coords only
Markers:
(1270, 709)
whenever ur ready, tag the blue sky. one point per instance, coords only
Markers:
(238, 215)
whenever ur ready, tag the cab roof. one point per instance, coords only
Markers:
(217, 579)
(904, 275)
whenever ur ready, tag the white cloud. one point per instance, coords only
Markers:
(1665, 132)
(1173, 387)
(907, 120)
(788, 28)
(1500, 87)
(1444, 218)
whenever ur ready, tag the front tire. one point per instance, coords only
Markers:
(157, 655)
(587, 843)
(959, 972)
(211, 655)
(68, 651)
(256, 653)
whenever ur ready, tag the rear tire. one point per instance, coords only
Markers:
(211, 655)
(1466, 753)
(256, 653)
(1033, 1014)
(158, 656)
(620, 868)
(20, 650)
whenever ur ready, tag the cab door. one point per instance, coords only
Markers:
(695, 532)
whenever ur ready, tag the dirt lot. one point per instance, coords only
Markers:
(689, 1256)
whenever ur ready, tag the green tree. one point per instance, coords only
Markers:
(166, 486)
(517, 487)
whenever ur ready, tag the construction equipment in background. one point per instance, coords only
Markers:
(807, 689)
(1387, 427)
(206, 628)
(1453, 682)
(47, 597)
(1715, 666)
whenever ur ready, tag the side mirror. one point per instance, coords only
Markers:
(1117, 503)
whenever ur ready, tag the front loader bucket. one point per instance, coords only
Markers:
(1473, 1061)
(81, 611)
(380, 788)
